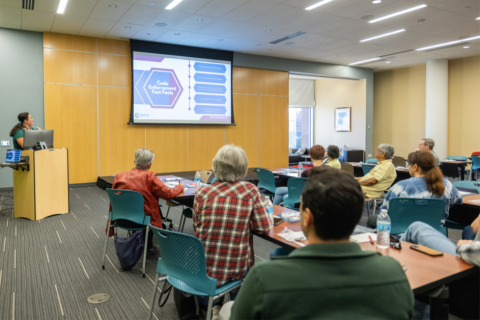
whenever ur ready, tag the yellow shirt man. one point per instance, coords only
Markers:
(334, 164)
(384, 172)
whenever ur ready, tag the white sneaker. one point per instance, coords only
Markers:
(216, 312)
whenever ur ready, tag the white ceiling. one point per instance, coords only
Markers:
(333, 31)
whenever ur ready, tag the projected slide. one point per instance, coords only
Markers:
(174, 89)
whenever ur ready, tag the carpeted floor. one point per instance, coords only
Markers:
(48, 268)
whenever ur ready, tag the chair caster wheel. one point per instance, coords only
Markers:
(143, 275)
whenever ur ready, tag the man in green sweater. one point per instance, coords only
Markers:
(330, 278)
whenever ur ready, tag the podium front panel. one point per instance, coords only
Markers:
(24, 190)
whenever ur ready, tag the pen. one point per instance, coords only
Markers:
(371, 240)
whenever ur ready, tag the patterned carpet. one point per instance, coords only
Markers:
(48, 268)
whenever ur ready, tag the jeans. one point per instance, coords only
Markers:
(279, 194)
(468, 233)
(425, 235)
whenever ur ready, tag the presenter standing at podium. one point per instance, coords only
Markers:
(25, 122)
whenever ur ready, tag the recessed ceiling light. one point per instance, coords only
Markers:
(62, 6)
(220, 39)
(268, 30)
(367, 17)
(363, 61)
(478, 18)
(161, 24)
(398, 13)
(113, 6)
(383, 35)
(151, 4)
(377, 1)
(173, 4)
(128, 27)
(472, 38)
(318, 4)
(439, 45)
(466, 47)
(177, 34)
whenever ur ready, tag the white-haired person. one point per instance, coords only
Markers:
(142, 180)
(224, 215)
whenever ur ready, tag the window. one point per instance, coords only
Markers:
(300, 127)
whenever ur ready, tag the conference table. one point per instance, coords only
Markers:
(424, 273)
(459, 164)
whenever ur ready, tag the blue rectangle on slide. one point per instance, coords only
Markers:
(209, 67)
(209, 88)
(205, 109)
(206, 98)
(209, 78)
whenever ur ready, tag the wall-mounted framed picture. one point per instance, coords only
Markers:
(343, 119)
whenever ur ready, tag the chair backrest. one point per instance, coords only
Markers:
(399, 161)
(476, 161)
(458, 158)
(347, 167)
(127, 205)
(371, 160)
(183, 257)
(266, 179)
(366, 168)
(205, 175)
(295, 188)
(404, 211)
(468, 185)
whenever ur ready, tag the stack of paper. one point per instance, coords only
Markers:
(363, 237)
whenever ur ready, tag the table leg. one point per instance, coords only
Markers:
(462, 174)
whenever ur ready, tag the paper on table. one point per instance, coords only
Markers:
(363, 237)
(291, 235)
(475, 201)
(465, 193)
(172, 179)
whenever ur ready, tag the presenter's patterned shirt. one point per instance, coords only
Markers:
(417, 188)
(224, 215)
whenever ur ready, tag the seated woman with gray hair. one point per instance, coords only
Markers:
(152, 188)
(224, 215)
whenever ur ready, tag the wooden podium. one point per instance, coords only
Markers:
(41, 188)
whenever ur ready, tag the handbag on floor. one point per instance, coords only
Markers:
(184, 302)
(129, 250)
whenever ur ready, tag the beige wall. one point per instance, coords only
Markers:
(335, 93)
(399, 108)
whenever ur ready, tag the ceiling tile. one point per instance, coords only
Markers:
(328, 7)
(360, 8)
(218, 26)
(80, 8)
(46, 5)
(68, 24)
(103, 10)
(37, 20)
(123, 30)
(194, 23)
(140, 14)
(10, 3)
(96, 28)
(187, 6)
(218, 8)
(228, 44)
(173, 36)
(195, 39)
(149, 33)
(10, 17)
(170, 17)
(247, 31)
(410, 19)
(274, 15)
(249, 10)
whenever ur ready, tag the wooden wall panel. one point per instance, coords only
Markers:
(114, 46)
(69, 42)
(245, 133)
(203, 144)
(118, 141)
(245, 80)
(399, 108)
(72, 112)
(70, 67)
(273, 82)
(273, 119)
(463, 106)
(169, 143)
(114, 71)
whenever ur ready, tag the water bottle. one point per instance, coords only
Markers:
(269, 206)
(300, 169)
(197, 181)
(383, 230)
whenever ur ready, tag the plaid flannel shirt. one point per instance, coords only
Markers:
(224, 213)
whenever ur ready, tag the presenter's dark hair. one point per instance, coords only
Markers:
(336, 201)
(433, 175)
(333, 152)
(21, 117)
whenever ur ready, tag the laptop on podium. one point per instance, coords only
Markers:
(13, 156)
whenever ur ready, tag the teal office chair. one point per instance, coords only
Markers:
(475, 166)
(366, 168)
(186, 213)
(295, 188)
(371, 160)
(468, 185)
(127, 205)
(266, 180)
(458, 158)
(183, 263)
(404, 211)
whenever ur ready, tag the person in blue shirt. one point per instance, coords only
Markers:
(25, 122)
(427, 182)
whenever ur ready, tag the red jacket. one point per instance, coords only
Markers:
(151, 187)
